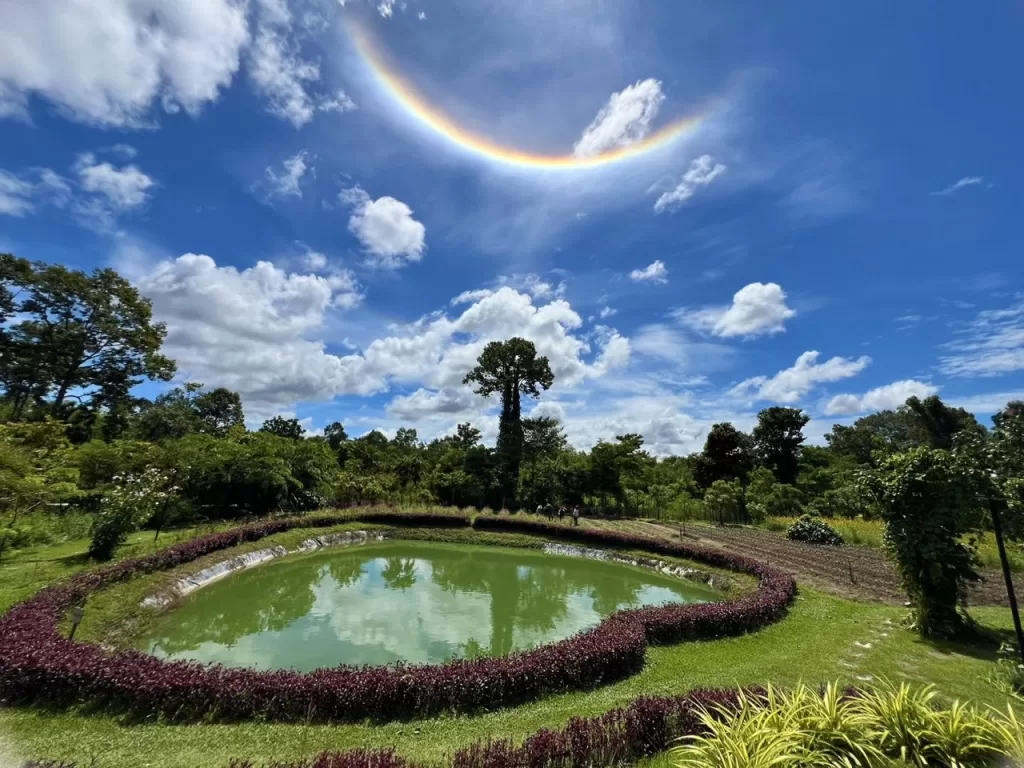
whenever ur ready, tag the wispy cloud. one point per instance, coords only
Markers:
(966, 181)
(992, 344)
(703, 170)
(655, 272)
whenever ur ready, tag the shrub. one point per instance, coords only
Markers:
(38, 665)
(132, 501)
(814, 530)
(723, 501)
(929, 500)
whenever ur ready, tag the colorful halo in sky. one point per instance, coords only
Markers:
(413, 104)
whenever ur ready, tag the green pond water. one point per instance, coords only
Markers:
(417, 602)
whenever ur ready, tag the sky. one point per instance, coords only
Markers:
(695, 210)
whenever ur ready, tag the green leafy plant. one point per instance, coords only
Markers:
(814, 530)
(130, 502)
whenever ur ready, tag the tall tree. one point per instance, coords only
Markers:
(728, 455)
(283, 427)
(76, 335)
(777, 440)
(939, 422)
(510, 368)
(336, 435)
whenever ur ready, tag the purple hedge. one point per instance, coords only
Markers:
(623, 736)
(40, 666)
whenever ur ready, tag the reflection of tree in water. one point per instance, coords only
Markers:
(399, 572)
(532, 599)
(610, 594)
(346, 570)
(263, 599)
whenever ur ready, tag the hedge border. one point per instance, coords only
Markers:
(39, 666)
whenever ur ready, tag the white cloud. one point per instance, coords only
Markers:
(624, 120)
(249, 330)
(339, 102)
(117, 57)
(15, 195)
(703, 170)
(992, 344)
(879, 399)
(756, 309)
(791, 384)
(655, 272)
(386, 228)
(315, 261)
(281, 75)
(607, 312)
(422, 15)
(287, 182)
(966, 181)
(386, 8)
(123, 188)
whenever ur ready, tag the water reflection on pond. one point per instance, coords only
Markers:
(402, 601)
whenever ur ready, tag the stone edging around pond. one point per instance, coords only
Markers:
(189, 584)
(39, 666)
(713, 580)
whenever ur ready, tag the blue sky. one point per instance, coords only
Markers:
(834, 230)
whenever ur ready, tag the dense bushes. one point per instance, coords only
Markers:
(814, 530)
(38, 665)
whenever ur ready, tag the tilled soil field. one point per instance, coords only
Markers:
(855, 572)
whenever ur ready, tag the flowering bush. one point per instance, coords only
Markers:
(37, 665)
(130, 502)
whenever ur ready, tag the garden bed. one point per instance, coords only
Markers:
(38, 665)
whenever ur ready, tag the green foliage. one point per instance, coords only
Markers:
(814, 530)
(723, 501)
(70, 332)
(928, 499)
(848, 500)
(282, 427)
(777, 440)
(126, 505)
(187, 409)
(728, 455)
(886, 724)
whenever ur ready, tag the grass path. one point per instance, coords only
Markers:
(824, 638)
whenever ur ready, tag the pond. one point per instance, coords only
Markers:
(417, 602)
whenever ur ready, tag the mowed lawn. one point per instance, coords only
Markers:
(823, 638)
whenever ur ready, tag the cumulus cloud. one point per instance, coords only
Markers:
(879, 398)
(756, 309)
(287, 181)
(624, 120)
(791, 384)
(966, 181)
(386, 228)
(702, 172)
(249, 330)
(118, 57)
(992, 344)
(655, 272)
(123, 188)
(259, 331)
(96, 194)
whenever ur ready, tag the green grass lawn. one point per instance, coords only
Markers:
(823, 638)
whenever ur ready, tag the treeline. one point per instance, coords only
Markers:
(79, 447)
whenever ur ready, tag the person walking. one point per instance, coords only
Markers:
(549, 510)
(560, 511)
(540, 510)
(576, 516)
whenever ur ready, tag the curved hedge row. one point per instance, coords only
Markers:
(38, 665)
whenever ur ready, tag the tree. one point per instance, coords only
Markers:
(728, 455)
(467, 435)
(219, 410)
(723, 500)
(777, 440)
(187, 409)
(939, 422)
(929, 501)
(767, 498)
(510, 368)
(335, 434)
(88, 337)
(283, 427)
